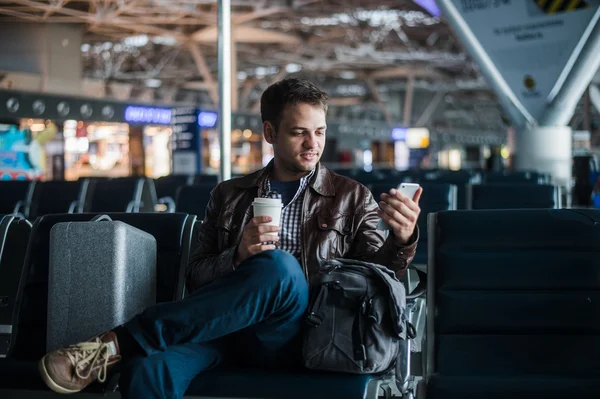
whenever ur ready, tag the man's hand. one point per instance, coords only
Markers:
(400, 213)
(255, 234)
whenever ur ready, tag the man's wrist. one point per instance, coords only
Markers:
(404, 239)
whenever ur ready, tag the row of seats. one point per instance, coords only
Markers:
(462, 179)
(190, 194)
(173, 233)
(512, 308)
(475, 190)
(489, 196)
(131, 194)
(513, 305)
(436, 197)
(105, 195)
(14, 235)
(33, 199)
(474, 176)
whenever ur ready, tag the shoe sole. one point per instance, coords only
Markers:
(51, 384)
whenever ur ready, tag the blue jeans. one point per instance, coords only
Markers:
(255, 314)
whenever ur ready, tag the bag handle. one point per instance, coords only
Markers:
(101, 218)
(358, 333)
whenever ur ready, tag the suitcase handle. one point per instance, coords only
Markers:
(99, 218)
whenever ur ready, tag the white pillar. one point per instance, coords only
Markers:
(224, 58)
(545, 149)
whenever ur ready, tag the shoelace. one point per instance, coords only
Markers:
(90, 353)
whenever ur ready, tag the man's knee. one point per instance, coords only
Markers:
(280, 269)
(280, 265)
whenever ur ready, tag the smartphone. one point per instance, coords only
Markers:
(408, 189)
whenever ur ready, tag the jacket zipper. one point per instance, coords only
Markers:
(302, 233)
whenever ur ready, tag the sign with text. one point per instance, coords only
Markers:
(185, 141)
(533, 44)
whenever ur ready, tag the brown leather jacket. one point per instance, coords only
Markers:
(339, 220)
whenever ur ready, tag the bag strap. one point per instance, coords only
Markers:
(396, 289)
(358, 334)
(315, 316)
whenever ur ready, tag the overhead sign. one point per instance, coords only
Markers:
(207, 119)
(148, 115)
(532, 43)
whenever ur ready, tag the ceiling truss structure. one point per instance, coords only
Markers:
(363, 53)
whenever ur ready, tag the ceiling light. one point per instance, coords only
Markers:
(153, 83)
(293, 68)
(164, 40)
(260, 71)
(347, 75)
(136, 41)
(379, 17)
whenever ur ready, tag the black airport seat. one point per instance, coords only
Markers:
(513, 304)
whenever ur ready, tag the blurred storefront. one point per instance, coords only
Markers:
(96, 149)
(359, 144)
(249, 152)
(30, 149)
(456, 150)
(54, 137)
(138, 144)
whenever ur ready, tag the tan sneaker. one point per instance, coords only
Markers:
(71, 369)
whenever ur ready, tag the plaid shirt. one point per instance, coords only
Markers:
(291, 217)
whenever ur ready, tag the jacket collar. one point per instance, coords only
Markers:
(321, 181)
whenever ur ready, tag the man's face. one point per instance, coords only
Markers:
(299, 141)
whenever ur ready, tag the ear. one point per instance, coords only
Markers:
(269, 132)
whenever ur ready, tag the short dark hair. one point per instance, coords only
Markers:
(289, 91)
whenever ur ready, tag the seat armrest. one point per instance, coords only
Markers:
(133, 207)
(73, 207)
(404, 379)
(421, 390)
(18, 208)
(421, 288)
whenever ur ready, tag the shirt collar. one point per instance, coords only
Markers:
(321, 180)
(264, 187)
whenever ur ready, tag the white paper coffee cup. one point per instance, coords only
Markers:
(268, 207)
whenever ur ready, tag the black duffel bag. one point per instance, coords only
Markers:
(357, 318)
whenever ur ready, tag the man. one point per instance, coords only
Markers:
(249, 297)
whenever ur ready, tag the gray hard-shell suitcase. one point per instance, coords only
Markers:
(102, 273)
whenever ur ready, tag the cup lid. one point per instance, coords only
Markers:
(268, 205)
(267, 201)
